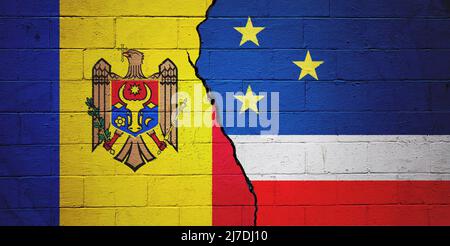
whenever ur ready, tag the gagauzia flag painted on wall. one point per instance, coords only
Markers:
(324, 112)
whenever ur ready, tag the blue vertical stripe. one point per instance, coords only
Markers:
(29, 112)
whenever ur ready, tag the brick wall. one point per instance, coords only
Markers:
(175, 188)
(48, 174)
(28, 113)
(367, 142)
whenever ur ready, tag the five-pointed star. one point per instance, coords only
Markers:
(249, 100)
(308, 66)
(249, 32)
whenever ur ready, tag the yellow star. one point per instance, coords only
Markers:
(308, 66)
(249, 32)
(134, 89)
(249, 100)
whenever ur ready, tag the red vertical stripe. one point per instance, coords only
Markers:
(233, 203)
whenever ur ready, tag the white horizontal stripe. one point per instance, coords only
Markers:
(349, 157)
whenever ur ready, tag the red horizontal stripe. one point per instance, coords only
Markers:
(353, 202)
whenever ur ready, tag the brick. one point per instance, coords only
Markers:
(359, 33)
(438, 193)
(87, 216)
(231, 190)
(28, 96)
(440, 96)
(305, 193)
(232, 215)
(183, 190)
(367, 192)
(314, 158)
(227, 215)
(81, 120)
(353, 123)
(278, 158)
(153, 58)
(147, 32)
(71, 191)
(300, 8)
(440, 215)
(440, 157)
(195, 216)
(398, 157)
(39, 192)
(74, 92)
(245, 69)
(398, 215)
(44, 63)
(188, 38)
(158, 216)
(424, 192)
(392, 65)
(87, 32)
(374, 8)
(71, 67)
(115, 191)
(335, 215)
(223, 159)
(281, 215)
(77, 159)
(216, 64)
(22, 8)
(414, 192)
(36, 129)
(134, 8)
(245, 9)
(174, 198)
(29, 160)
(346, 158)
(278, 33)
(29, 217)
(9, 193)
(265, 192)
(25, 33)
(368, 96)
(278, 95)
(39, 128)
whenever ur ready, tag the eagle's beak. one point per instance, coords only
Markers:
(126, 54)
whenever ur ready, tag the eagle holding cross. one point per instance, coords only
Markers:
(132, 106)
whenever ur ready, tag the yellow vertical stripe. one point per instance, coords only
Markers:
(174, 189)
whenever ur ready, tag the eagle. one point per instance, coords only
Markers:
(134, 105)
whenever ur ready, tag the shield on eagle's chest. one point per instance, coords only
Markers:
(134, 105)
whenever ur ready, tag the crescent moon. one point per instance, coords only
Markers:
(147, 121)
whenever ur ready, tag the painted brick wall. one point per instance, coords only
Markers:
(94, 194)
(29, 159)
(47, 49)
(365, 144)
(175, 188)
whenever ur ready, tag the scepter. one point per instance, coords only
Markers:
(174, 121)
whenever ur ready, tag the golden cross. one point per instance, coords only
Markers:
(122, 49)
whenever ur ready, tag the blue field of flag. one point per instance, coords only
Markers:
(383, 72)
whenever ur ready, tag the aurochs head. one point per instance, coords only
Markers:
(134, 107)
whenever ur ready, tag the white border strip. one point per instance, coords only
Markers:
(345, 157)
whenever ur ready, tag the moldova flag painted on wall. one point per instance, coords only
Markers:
(226, 112)
(97, 99)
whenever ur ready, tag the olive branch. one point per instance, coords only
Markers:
(99, 122)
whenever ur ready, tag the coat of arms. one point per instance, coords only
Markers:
(133, 106)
